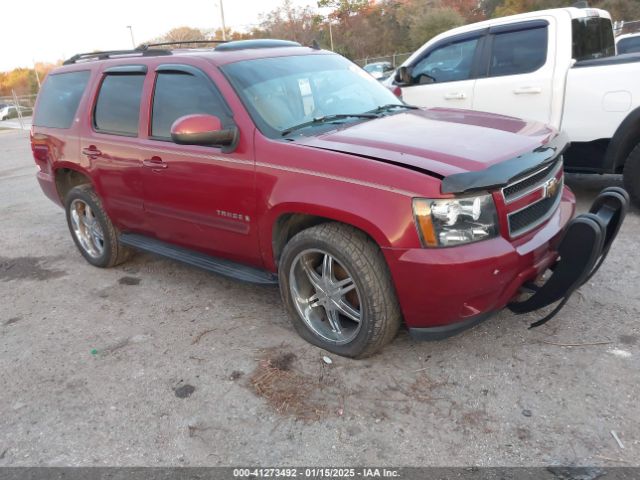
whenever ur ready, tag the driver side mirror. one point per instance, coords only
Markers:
(403, 76)
(206, 130)
(424, 79)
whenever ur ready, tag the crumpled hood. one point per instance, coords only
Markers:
(439, 141)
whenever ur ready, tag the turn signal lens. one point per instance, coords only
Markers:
(422, 212)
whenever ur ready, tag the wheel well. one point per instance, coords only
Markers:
(290, 224)
(66, 179)
(626, 138)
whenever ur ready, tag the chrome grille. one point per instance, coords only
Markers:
(526, 185)
(531, 216)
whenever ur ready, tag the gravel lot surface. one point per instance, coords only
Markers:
(156, 363)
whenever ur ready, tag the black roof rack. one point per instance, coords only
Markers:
(145, 46)
(145, 49)
(114, 53)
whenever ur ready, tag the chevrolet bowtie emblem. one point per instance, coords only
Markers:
(551, 187)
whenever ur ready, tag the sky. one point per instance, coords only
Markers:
(51, 30)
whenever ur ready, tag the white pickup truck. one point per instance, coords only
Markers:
(556, 66)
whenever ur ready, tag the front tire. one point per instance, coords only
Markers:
(631, 175)
(337, 290)
(92, 230)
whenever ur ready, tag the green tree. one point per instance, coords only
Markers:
(424, 24)
(288, 22)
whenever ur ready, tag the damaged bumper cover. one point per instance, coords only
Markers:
(581, 251)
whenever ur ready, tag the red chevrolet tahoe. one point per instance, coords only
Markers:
(271, 162)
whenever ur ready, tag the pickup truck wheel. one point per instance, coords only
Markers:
(91, 230)
(337, 289)
(631, 175)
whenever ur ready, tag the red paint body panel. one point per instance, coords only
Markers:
(427, 139)
(227, 204)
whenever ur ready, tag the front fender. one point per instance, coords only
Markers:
(387, 219)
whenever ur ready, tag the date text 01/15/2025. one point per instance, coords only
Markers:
(330, 473)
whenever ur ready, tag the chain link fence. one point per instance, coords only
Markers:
(395, 59)
(622, 27)
(17, 107)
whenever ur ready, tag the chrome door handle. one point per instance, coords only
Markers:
(154, 162)
(91, 152)
(455, 96)
(528, 90)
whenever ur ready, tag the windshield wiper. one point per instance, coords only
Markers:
(328, 119)
(392, 106)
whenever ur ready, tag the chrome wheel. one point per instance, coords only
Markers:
(325, 296)
(86, 228)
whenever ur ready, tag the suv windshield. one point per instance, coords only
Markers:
(285, 92)
(629, 45)
(592, 38)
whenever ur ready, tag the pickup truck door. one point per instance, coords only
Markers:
(519, 79)
(199, 197)
(444, 76)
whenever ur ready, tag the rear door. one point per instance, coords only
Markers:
(110, 145)
(444, 76)
(200, 197)
(520, 68)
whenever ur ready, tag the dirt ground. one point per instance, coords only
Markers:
(156, 363)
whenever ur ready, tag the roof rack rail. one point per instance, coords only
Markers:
(145, 46)
(114, 53)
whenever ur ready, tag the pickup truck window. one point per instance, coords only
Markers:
(118, 106)
(177, 94)
(448, 63)
(592, 38)
(59, 99)
(518, 52)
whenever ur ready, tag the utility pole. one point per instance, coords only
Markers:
(133, 43)
(330, 35)
(224, 28)
(35, 69)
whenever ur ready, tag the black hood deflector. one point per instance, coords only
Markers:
(506, 172)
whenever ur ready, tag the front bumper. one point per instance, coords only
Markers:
(444, 291)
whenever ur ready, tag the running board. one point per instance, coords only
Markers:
(220, 266)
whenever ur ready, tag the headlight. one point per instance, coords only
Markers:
(454, 221)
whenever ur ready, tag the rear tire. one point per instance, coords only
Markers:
(337, 290)
(631, 175)
(92, 230)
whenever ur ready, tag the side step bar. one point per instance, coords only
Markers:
(220, 266)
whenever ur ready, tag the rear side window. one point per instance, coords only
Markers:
(629, 45)
(118, 106)
(59, 99)
(518, 52)
(178, 94)
(592, 38)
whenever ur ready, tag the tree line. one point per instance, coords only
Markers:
(355, 28)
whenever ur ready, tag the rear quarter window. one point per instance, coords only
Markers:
(59, 99)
